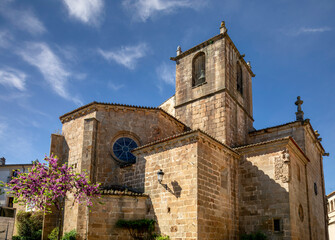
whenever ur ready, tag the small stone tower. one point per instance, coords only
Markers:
(213, 89)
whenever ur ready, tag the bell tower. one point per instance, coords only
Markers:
(214, 89)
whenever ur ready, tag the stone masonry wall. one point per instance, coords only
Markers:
(207, 114)
(316, 193)
(299, 208)
(263, 193)
(6, 228)
(73, 132)
(303, 134)
(295, 130)
(232, 57)
(50, 219)
(142, 125)
(88, 146)
(103, 217)
(217, 193)
(238, 124)
(175, 207)
(168, 106)
(215, 73)
(216, 106)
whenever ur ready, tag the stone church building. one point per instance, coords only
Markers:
(222, 178)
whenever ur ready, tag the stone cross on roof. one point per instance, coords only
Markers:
(299, 114)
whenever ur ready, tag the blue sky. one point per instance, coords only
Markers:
(57, 55)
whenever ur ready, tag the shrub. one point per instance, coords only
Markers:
(138, 229)
(70, 235)
(67, 236)
(254, 236)
(160, 237)
(29, 225)
(54, 234)
(16, 238)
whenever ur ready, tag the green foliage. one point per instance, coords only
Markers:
(29, 225)
(139, 229)
(137, 224)
(67, 236)
(70, 235)
(54, 234)
(160, 237)
(254, 236)
(16, 238)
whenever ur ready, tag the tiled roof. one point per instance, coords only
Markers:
(277, 126)
(121, 190)
(304, 122)
(262, 143)
(122, 105)
(184, 134)
(125, 193)
(16, 165)
(108, 104)
(331, 194)
(273, 141)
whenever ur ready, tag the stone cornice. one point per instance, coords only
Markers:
(311, 132)
(306, 122)
(269, 129)
(294, 147)
(213, 93)
(276, 143)
(183, 138)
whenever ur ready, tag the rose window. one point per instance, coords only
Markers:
(122, 149)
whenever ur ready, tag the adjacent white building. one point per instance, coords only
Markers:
(331, 215)
(7, 172)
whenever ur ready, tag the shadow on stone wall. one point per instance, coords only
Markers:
(103, 217)
(263, 202)
(6, 228)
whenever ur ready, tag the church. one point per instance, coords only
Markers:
(195, 164)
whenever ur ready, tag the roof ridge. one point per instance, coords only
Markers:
(183, 134)
(109, 104)
(263, 142)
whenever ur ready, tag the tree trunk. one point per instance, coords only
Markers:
(61, 219)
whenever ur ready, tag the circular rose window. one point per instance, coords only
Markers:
(122, 149)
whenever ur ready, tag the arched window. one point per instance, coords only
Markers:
(239, 78)
(198, 69)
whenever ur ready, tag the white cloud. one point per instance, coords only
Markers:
(314, 30)
(23, 20)
(114, 86)
(3, 127)
(166, 73)
(126, 56)
(144, 9)
(5, 38)
(86, 11)
(13, 78)
(46, 61)
(305, 30)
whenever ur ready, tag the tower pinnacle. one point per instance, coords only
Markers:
(299, 114)
(223, 28)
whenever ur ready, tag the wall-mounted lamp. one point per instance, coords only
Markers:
(160, 176)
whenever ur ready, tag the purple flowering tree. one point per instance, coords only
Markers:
(49, 184)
